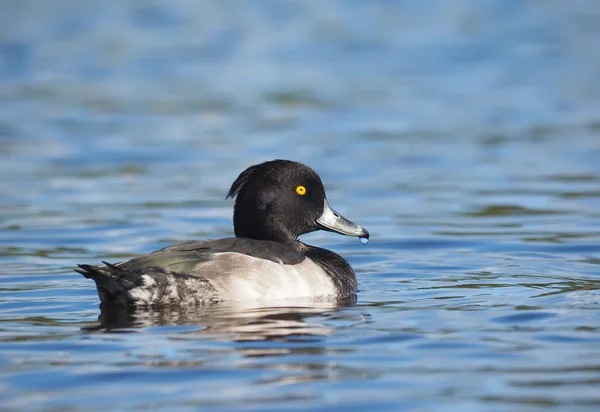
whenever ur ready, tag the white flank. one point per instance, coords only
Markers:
(251, 278)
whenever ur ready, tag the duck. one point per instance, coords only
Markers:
(275, 202)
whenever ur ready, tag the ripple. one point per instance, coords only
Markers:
(524, 317)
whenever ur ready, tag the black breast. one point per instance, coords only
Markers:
(338, 269)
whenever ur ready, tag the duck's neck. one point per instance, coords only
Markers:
(262, 234)
(262, 229)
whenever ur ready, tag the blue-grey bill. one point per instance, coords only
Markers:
(332, 221)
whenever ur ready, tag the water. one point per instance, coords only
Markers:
(464, 136)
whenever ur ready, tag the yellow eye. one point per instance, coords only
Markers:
(301, 190)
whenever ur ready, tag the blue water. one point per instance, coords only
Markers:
(464, 135)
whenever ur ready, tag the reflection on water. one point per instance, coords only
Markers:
(237, 321)
(278, 334)
(465, 135)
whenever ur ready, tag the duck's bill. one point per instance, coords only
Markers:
(332, 221)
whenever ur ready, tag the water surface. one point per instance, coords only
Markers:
(464, 136)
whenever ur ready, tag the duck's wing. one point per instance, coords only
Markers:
(193, 272)
(193, 257)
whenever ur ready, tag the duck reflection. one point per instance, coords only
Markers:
(291, 339)
(295, 320)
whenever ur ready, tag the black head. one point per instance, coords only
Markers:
(280, 200)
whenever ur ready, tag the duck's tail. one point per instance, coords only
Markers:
(147, 287)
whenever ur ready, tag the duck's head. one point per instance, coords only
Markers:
(280, 200)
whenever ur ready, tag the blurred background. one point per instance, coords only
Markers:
(464, 134)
